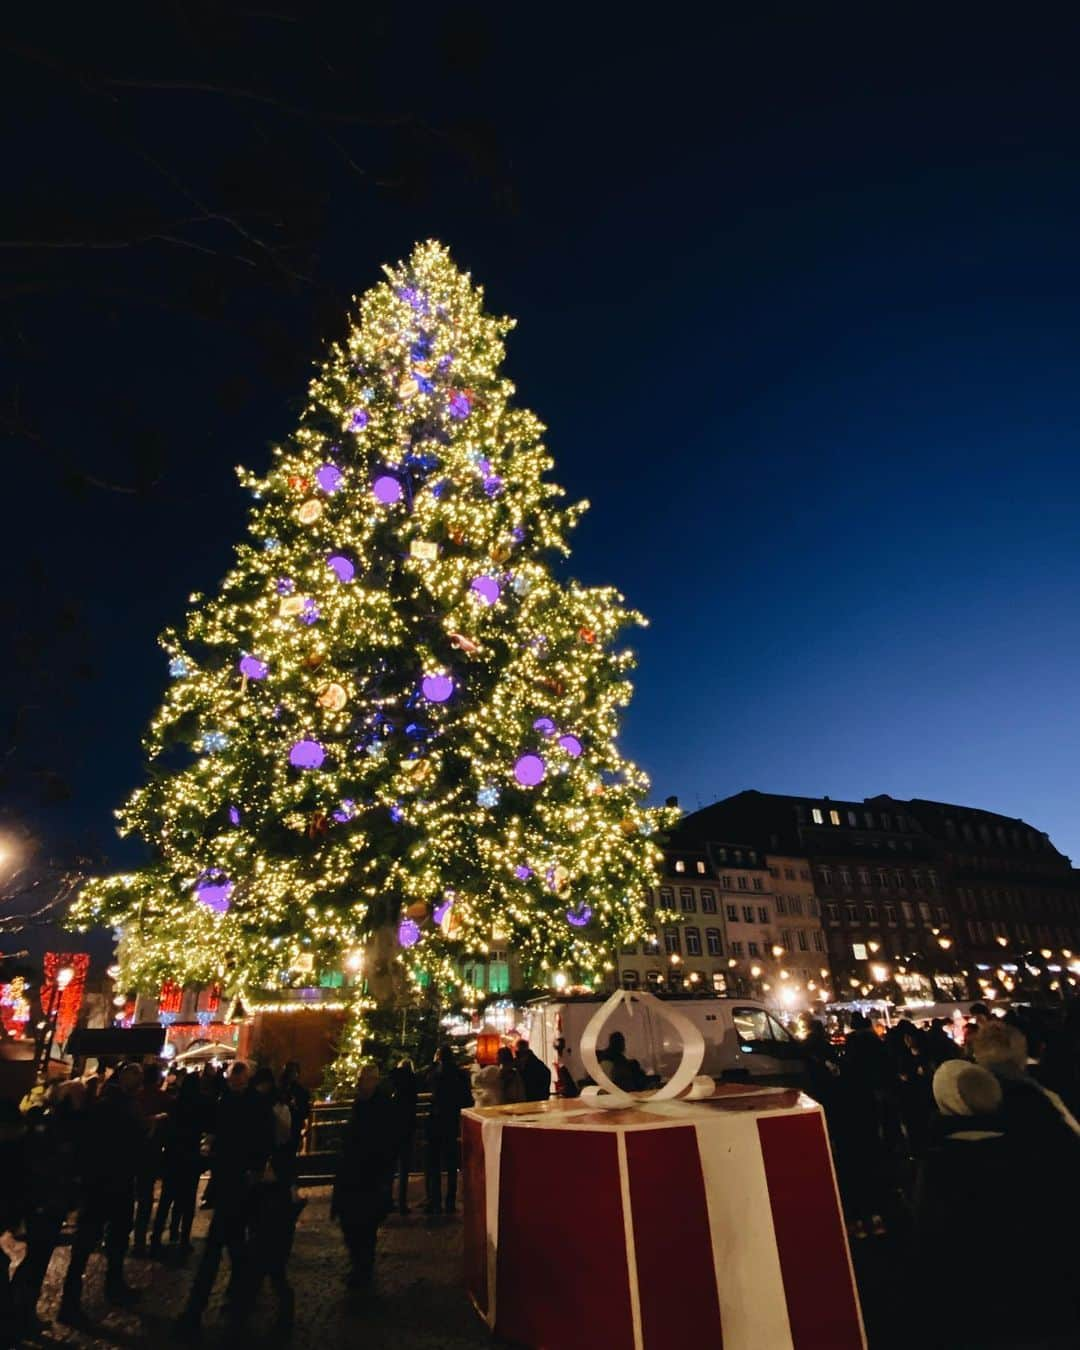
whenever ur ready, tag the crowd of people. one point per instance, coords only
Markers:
(123, 1151)
(118, 1158)
(962, 1143)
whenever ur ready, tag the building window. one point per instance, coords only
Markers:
(654, 979)
(796, 904)
(886, 823)
(864, 876)
(719, 982)
(890, 913)
(931, 876)
(816, 816)
(804, 874)
(687, 902)
(736, 949)
(671, 940)
(693, 942)
(701, 868)
(732, 914)
(882, 878)
(826, 875)
(832, 911)
(789, 873)
(916, 881)
(834, 817)
(871, 913)
(942, 914)
(852, 819)
(852, 913)
(909, 913)
(752, 949)
(712, 942)
(748, 913)
(785, 939)
(924, 911)
(899, 879)
(802, 940)
(630, 979)
(680, 866)
(744, 884)
(762, 914)
(759, 884)
(845, 876)
(708, 902)
(651, 944)
(667, 898)
(868, 816)
(811, 907)
(774, 871)
(630, 950)
(819, 945)
(726, 883)
(901, 822)
(781, 905)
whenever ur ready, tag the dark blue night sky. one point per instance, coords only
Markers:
(798, 300)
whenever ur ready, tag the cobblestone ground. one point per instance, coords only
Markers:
(418, 1302)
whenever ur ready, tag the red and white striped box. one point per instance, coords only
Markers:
(714, 1222)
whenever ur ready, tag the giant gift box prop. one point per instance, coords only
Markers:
(659, 1224)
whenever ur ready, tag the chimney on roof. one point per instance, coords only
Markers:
(671, 801)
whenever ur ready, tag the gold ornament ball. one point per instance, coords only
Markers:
(310, 512)
(333, 697)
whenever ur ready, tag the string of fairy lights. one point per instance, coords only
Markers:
(393, 712)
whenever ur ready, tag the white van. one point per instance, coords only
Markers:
(743, 1040)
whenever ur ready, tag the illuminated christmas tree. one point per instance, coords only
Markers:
(393, 712)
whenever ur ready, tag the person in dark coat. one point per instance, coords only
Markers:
(450, 1094)
(298, 1099)
(243, 1139)
(14, 1206)
(862, 1161)
(112, 1152)
(977, 1177)
(511, 1083)
(153, 1105)
(404, 1088)
(367, 1156)
(625, 1073)
(52, 1149)
(535, 1074)
(275, 1210)
(182, 1165)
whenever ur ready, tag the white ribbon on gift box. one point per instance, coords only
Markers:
(685, 1082)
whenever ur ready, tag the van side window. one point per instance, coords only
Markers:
(779, 1031)
(752, 1024)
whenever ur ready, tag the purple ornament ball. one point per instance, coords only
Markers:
(522, 872)
(408, 933)
(487, 588)
(212, 889)
(578, 918)
(253, 668)
(329, 477)
(437, 688)
(387, 490)
(545, 726)
(341, 567)
(571, 745)
(307, 755)
(529, 770)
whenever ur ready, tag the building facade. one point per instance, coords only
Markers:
(728, 920)
(918, 900)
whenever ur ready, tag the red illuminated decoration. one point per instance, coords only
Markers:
(14, 1007)
(65, 1002)
(170, 997)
